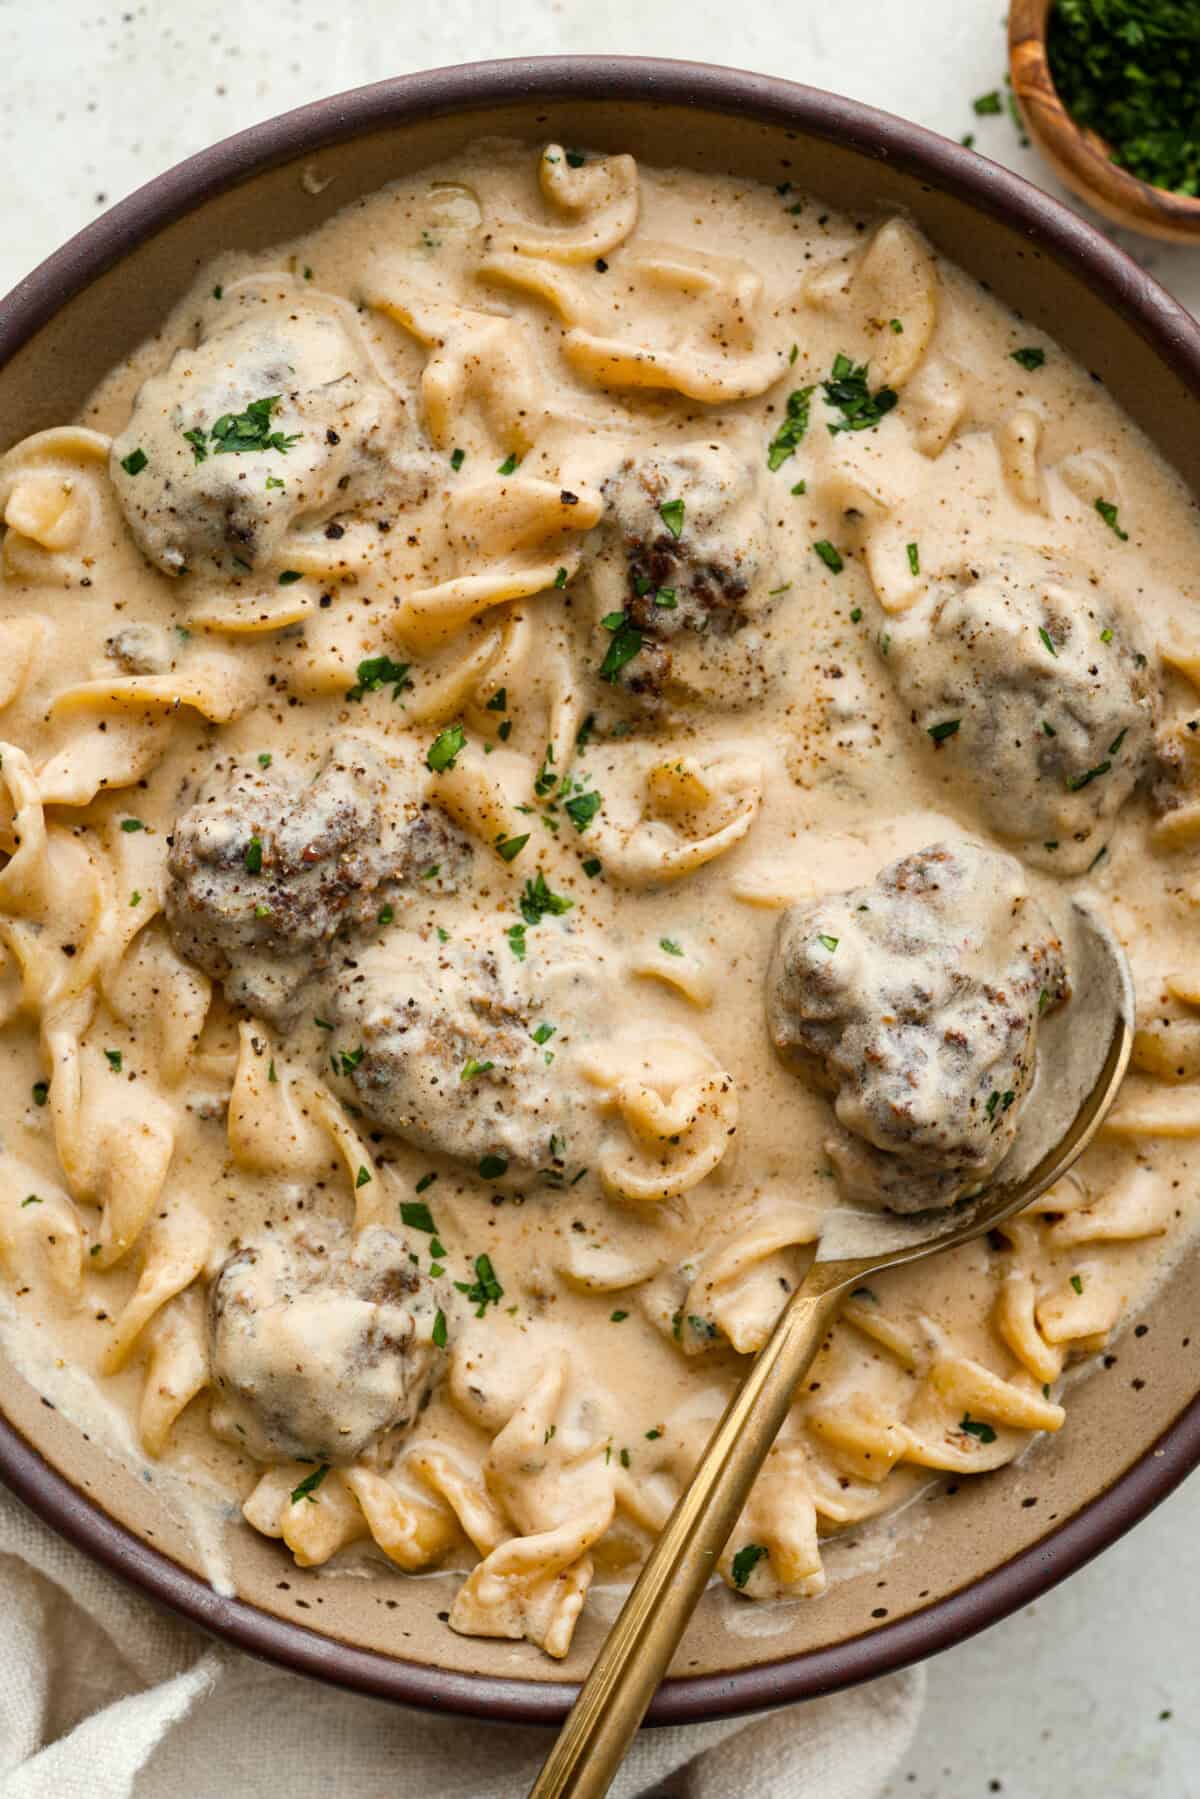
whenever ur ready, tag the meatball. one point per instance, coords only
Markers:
(684, 554)
(265, 874)
(1036, 693)
(914, 1002)
(464, 1047)
(274, 418)
(320, 1344)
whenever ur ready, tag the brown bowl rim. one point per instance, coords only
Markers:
(995, 192)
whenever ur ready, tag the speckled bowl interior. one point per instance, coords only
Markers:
(963, 1555)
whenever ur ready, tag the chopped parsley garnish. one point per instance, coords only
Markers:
(626, 642)
(830, 943)
(498, 701)
(848, 393)
(575, 159)
(1047, 639)
(516, 940)
(670, 946)
(41, 1092)
(800, 487)
(975, 1427)
(745, 1562)
(829, 556)
(671, 514)
(199, 447)
(322, 1024)
(363, 1177)
(132, 824)
(509, 848)
(543, 1033)
(1030, 357)
(471, 1068)
(1076, 782)
(1077, 1282)
(445, 748)
(236, 433)
(271, 1074)
(1108, 512)
(492, 1167)
(377, 672)
(264, 759)
(701, 1326)
(114, 1059)
(508, 466)
(560, 579)
(582, 809)
(135, 462)
(617, 1317)
(623, 1458)
(1117, 741)
(426, 1181)
(988, 104)
(309, 1485)
(790, 433)
(537, 901)
(289, 577)
(253, 857)
(652, 1436)
(896, 325)
(855, 615)
(946, 728)
(593, 866)
(1106, 635)
(1129, 70)
(387, 914)
(914, 558)
(438, 1333)
(1048, 729)
(32, 1199)
(867, 1293)
(485, 1290)
(416, 1214)
(274, 481)
(457, 458)
(350, 1059)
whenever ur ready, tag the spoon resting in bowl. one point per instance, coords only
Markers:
(1083, 1053)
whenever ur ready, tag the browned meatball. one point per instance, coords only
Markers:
(466, 1047)
(684, 559)
(271, 421)
(914, 1002)
(266, 874)
(321, 1344)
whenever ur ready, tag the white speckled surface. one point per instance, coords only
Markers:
(1092, 1692)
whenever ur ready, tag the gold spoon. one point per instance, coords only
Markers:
(1083, 1052)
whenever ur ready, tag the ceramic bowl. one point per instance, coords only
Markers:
(966, 1554)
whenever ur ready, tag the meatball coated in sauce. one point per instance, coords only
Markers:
(1034, 688)
(914, 1003)
(465, 1047)
(274, 419)
(685, 554)
(321, 1344)
(266, 872)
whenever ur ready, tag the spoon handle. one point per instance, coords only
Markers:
(639, 1647)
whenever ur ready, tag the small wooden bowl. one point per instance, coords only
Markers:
(1078, 156)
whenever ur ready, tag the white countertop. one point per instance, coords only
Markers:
(1092, 1692)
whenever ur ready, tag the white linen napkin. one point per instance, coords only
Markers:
(103, 1696)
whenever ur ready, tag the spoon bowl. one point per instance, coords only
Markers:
(1083, 1054)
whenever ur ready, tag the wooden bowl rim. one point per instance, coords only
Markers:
(928, 158)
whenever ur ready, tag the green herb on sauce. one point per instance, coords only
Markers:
(135, 462)
(745, 1562)
(671, 514)
(1030, 357)
(829, 556)
(445, 749)
(975, 1427)
(376, 672)
(537, 901)
(791, 431)
(438, 1334)
(417, 1216)
(1108, 512)
(947, 728)
(485, 1290)
(1129, 71)
(309, 1485)
(847, 391)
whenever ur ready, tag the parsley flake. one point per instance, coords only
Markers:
(745, 1562)
(309, 1485)
(445, 748)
